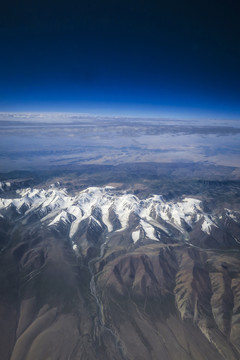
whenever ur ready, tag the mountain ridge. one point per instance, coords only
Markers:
(103, 274)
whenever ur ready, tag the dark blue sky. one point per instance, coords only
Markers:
(165, 58)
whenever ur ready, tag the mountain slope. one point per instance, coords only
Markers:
(102, 274)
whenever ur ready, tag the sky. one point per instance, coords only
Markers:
(144, 58)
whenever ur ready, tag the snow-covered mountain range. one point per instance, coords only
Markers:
(112, 211)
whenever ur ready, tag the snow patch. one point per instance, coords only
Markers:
(231, 214)
(62, 217)
(136, 236)
(149, 230)
(75, 247)
(207, 224)
(4, 203)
